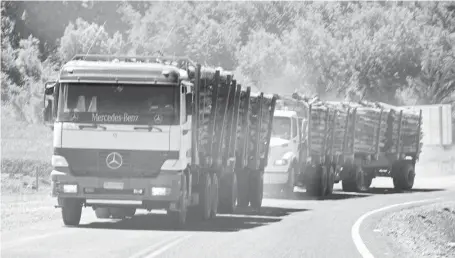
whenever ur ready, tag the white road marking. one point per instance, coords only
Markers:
(355, 231)
(150, 251)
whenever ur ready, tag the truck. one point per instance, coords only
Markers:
(302, 148)
(149, 132)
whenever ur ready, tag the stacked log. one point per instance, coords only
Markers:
(411, 136)
(370, 125)
(266, 118)
(205, 106)
(319, 129)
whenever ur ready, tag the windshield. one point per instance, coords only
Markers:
(281, 127)
(118, 104)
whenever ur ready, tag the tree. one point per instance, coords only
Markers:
(83, 37)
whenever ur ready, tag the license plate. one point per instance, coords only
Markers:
(113, 185)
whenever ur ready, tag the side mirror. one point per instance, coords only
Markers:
(189, 103)
(191, 72)
(49, 87)
(49, 102)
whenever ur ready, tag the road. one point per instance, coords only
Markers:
(284, 228)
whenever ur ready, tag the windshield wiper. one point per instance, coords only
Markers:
(149, 128)
(92, 126)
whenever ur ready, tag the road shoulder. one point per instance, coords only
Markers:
(419, 230)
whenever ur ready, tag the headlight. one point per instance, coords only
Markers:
(59, 161)
(69, 188)
(160, 191)
(281, 162)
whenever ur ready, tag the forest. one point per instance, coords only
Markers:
(401, 53)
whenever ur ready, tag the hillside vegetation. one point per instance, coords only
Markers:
(399, 53)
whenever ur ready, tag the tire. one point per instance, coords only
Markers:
(228, 193)
(317, 181)
(205, 196)
(243, 199)
(102, 213)
(403, 174)
(256, 192)
(358, 181)
(71, 211)
(289, 186)
(330, 180)
(179, 218)
(214, 197)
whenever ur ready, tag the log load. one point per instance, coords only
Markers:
(211, 119)
(411, 129)
(259, 115)
(376, 126)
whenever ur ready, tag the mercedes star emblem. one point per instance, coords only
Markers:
(158, 119)
(74, 117)
(114, 160)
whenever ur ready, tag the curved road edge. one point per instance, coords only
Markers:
(355, 230)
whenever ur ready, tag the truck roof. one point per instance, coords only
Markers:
(284, 113)
(118, 72)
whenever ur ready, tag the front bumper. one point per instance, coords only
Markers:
(137, 192)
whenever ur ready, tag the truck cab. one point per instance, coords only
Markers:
(122, 137)
(285, 144)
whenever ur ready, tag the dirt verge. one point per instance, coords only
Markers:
(424, 231)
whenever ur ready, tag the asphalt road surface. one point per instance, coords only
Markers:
(284, 228)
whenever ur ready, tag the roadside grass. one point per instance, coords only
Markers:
(26, 150)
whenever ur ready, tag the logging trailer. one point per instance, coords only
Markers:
(155, 133)
(394, 156)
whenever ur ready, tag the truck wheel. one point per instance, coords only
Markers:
(256, 192)
(243, 199)
(228, 193)
(102, 213)
(358, 181)
(214, 197)
(205, 196)
(179, 217)
(289, 186)
(317, 181)
(403, 176)
(330, 180)
(71, 211)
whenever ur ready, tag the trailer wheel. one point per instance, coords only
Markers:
(330, 180)
(289, 186)
(102, 213)
(403, 174)
(256, 188)
(71, 211)
(179, 217)
(316, 184)
(228, 193)
(243, 199)
(214, 196)
(358, 180)
(205, 196)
